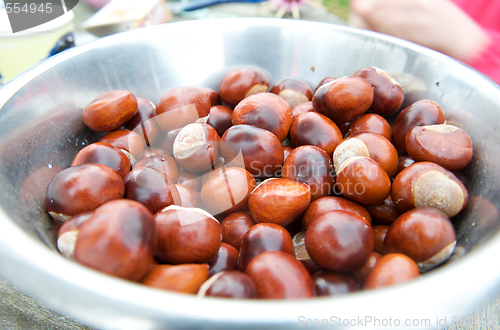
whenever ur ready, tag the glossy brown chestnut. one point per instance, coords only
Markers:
(235, 226)
(315, 129)
(343, 99)
(151, 188)
(229, 284)
(385, 213)
(104, 154)
(75, 190)
(118, 239)
(392, 269)
(144, 122)
(420, 113)
(226, 259)
(220, 118)
(302, 108)
(214, 97)
(371, 122)
(162, 163)
(367, 144)
(278, 275)
(186, 278)
(196, 147)
(181, 106)
(339, 241)
(446, 145)
(153, 151)
(186, 235)
(189, 197)
(228, 191)
(363, 180)
(286, 152)
(261, 150)
(299, 243)
(110, 110)
(323, 81)
(190, 179)
(332, 203)
(424, 234)
(429, 184)
(294, 91)
(267, 111)
(379, 232)
(129, 142)
(361, 273)
(240, 83)
(279, 201)
(328, 283)
(264, 237)
(68, 232)
(311, 165)
(404, 162)
(388, 95)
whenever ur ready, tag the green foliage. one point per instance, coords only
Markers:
(338, 7)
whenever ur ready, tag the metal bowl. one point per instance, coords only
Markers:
(41, 129)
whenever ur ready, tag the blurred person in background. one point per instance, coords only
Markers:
(468, 30)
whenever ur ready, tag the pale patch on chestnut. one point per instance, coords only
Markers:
(347, 149)
(66, 243)
(131, 158)
(189, 140)
(59, 216)
(347, 162)
(184, 221)
(437, 259)
(435, 189)
(259, 88)
(385, 74)
(293, 97)
(202, 292)
(443, 128)
(299, 242)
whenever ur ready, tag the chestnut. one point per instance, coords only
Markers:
(311, 165)
(228, 191)
(339, 241)
(429, 184)
(315, 129)
(189, 179)
(110, 110)
(74, 190)
(362, 273)
(286, 152)
(144, 123)
(279, 201)
(302, 108)
(261, 150)
(278, 275)
(367, 144)
(403, 162)
(343, 99)
(264, 237)
(299, 243)
(181, 106)
(424, 234)
(332, 203)
(212, 95)
(68, 232)
(391, 269)
(267, 111)
(226, 259)
(196, 147)
(162, 163)
(379, 232)
(130, 143)
(151, 188)
(165, 141)
(235, 226)
(153, 151)
(220, 118)
(385, 213)
(446, 145)
(186, 235)
(189, 197)
(371, 122)
(294, 91)
(363, 180)
(388, 96)
(420, 113)
(240, 83)
(105, 154)
(186, 278)
(328, 283)
(118, 239)
(229, 284)
(323, 81)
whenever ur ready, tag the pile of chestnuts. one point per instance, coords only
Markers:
(259, 191)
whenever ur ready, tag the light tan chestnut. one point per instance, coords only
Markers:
(424, 234)
(196, 147)
(446, 145)
(429, 184)
(279, 201)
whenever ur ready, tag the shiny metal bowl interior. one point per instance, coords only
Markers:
(41, 127)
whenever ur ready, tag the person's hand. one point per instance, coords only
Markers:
(437, 24)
